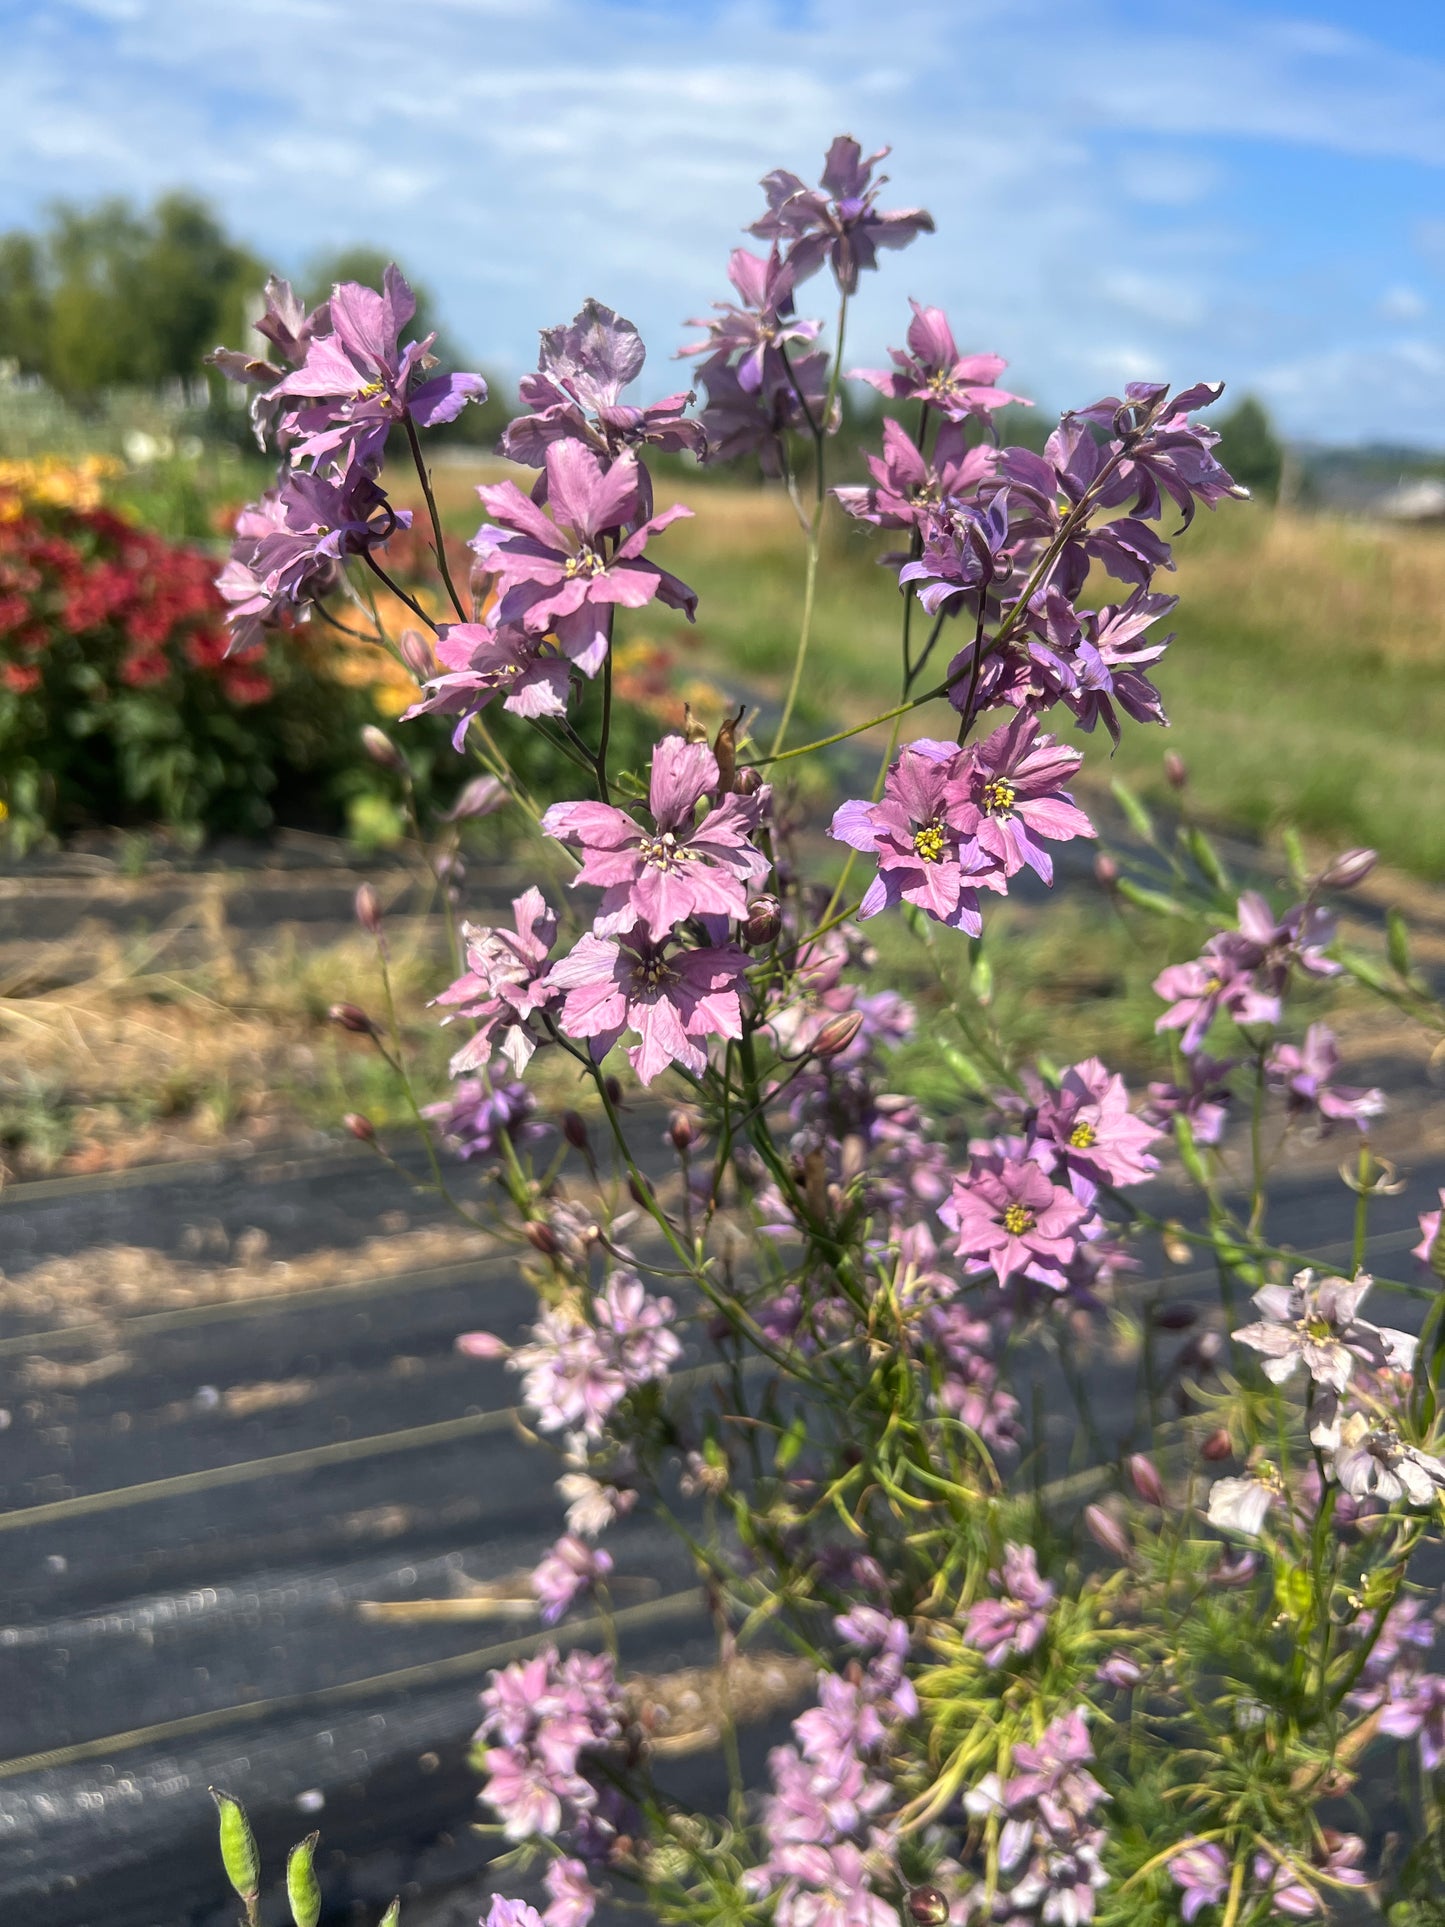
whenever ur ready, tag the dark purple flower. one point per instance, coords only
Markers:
(480, 663)
(966, 552)
(921, 835)
(502, 988)
(674, 999)
(752, 338)
(1017, 1619)
(1009, 1217)
(1088, 1123)
(754, 421)
(1304, 1075)
(576, 394)
(838, 222)
(1112, 659)
(1159, 448)
(683, 867)
(477, 1116)
(909, 488)
(1009, 791)
(570, 1569)
(932, 370)
(565, 574)
(366, 378)
(1203, 1101)
(1279, 945)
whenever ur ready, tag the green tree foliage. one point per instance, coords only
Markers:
(105, 295)
(1250, 449)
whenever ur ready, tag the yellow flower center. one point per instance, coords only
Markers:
(372, 390)
(1212, 984)
(998, 797)
(666, 852)
(585, 562)
(1017, 1219)
(1082, 1136)
(930, 842)
(1318, 1329)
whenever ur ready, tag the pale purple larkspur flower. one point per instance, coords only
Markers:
(1201, 1871)
(740, 421)
(1016, 1620)
(1158, 448)
(1122, 1669)
(548, 1714)
(1011, 799)
(909, 487)
(921, 835)
(289, 328)
(502, 990)
(1088, 1123)
(576, 1371)
(570, 1569)
(1428, 1249)
(683, 867)
(1009, 1217)
(1372, 1461)
(674, 999)
(571, 1897)
(253, 604)
(1203, 1102)
(830, 1887)
(510, 1913)
(1419, 1712)
(1312, 1322)
(473, 1121)
(636, 1328)
(365, 379)
(813, 1803)
(290, 545)
(1221, 980)
(564, 574)
(576, 394)
(1281, 945)
(1049, 1842)
(837, 222)
(1114, 651)
(479, 663)
(753, 334)
(967, 551)
(1304, 1075)
(932, 370)
(593, 1506)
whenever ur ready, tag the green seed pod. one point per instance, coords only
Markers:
(392, 1916)
(302, 1888)
(238, 1847)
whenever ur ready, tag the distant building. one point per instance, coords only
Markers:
(1421, 499)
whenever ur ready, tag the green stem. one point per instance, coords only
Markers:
(438, 539)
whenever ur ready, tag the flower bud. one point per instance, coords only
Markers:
(1217, 1446)
(682, 1131)
(574, 1129)
(1106, 871)
(541, 1237)
(640, 1193)
(478, 798)
(381, 749)
(361, 1128)
(838, 1033)
(927, 1907)
(762, 923)
(748, 781)
(613, 1090)
(1175, 1318)
(352, 1017)
(1106, 1531)
(1144, 1476)
(416, 653)
(1176, 770)
(368, 910)
(1348, 869)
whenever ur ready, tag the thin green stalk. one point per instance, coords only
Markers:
(438, 539)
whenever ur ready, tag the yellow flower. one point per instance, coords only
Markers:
(48, 482)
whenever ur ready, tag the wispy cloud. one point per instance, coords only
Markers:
(1114, 198)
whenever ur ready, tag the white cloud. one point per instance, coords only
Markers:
(1400, 303)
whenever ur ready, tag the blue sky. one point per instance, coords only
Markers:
(1253, 191)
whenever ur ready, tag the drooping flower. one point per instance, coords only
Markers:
(837, 222)
(1242, 1505)
(1203, 1102)
(582, 369)
(1088, 1123)
(1201, 1871)
(1010, 789)
(683, 867)
(753, 337)
(674, 999)
(289, 328)
(1312, 1322)
(502, 989)
(1016, 1620)
(289, 546)
(1157, 447)
(932, 370)
(570, 1568)
(571, 1897)
(1429, 1249)
(367, 379)
(921, 835)
(480, 662)
(477, 1116)
(1372, 1461)
(1222, 979)
(792, 398)
(909, 487)
(1010, 1218)
(1280, 945)
(564, 574)
(967, 551)
(1304, 1075)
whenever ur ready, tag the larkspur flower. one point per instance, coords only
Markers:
(908, 487)
(1277, 946)
(510, 1913)
(570, 1568)
(255, 604)
(1093, 1133)
(1158, 446)
(967, 552)
(1201, 1871)
(1011, 797)
(289, 546)
(752, 335)
(576, 1370)
(549, 1715)
(1203, 1102)
(1372, 1461)
(1429, 1249)
(502, 990)
(1113, 651)
(921, 836)
(571, 1897)
(1243, 1505)
(479, 662)
(674, 999)
(932, 370)
(564, 574)
(287, 325)
(1017, 1618)
(837, 222)
(1312, 1322)
(1304, 1075)
(1009, 1217)
(682, 867)
(1419, 1714)
(477, 1116)
(741, 421)
(365, 379)
(1221, 980)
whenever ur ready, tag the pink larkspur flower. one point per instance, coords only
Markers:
(932, 370)
(1428, 1249)
(1304, 1075)
(921, 836)
(1011, 795)
(1016, 1620)
(838, 221)
(502, 989)
(480, 662)
(909, 487)
(1091, 1130)
(674, 999)
(1009, 1217)
(569, 1569)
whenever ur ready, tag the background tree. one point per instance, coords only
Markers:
(1250, 449)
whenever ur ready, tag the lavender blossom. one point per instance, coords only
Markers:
(1304, 1075)
(1093, 1134)
(576, 1371)
(480, 663)
(1429, 1248)
(1010, 793)
(549, 1715)
(673, 999)
(909, 488)
(932, 370)
(1201, 1871)
(1222, 980)
(1420, 1714)
(478, 1115)
(570, 1569)
(571, 1897)
(502, 991)
(1203, 1102)
(752, 338)
(1017, 1620)
(837, 223)
(1009, 1217)
(922, 837)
